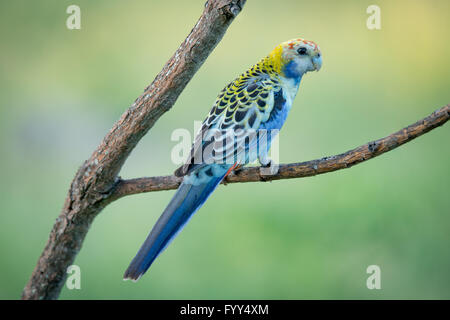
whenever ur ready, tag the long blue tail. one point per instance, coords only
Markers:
(186, 201)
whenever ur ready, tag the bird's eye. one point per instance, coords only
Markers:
(302, 51)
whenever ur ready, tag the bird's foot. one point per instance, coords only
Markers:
(238, 169)
(265, 162)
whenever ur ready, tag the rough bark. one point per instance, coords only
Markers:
(97, 177)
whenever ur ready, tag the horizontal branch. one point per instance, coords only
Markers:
(303, 169)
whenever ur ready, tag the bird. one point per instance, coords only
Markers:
(245, 117)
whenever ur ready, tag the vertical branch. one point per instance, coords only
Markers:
(97, 177)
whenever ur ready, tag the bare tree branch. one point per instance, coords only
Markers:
(303, 169)
(97, 177)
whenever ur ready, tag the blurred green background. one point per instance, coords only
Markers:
(61, 90)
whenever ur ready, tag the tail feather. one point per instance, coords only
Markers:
(186, 201)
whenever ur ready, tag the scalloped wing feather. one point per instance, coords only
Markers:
(241, 107)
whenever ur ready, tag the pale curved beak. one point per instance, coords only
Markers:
(317, 61)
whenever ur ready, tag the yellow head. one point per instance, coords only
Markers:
(296, 57)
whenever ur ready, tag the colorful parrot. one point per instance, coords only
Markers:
(253, 108)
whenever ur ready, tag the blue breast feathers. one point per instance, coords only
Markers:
(290, 71)
(278, 114)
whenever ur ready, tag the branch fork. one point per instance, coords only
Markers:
(96, 183)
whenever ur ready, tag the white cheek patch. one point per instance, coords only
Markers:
(304, 65)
